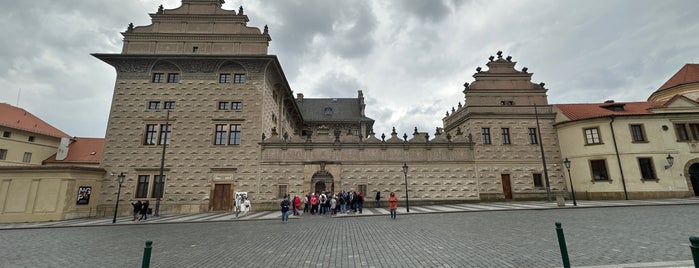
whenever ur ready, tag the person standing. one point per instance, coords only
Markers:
(136, 209)
(305, 201)
(245, 206)
(333, 205)
(360, 202)
(144, 211)
(314, 204)
(238, 202)
(285, 208)
(297, 205)
(378, 199)
(393, 204)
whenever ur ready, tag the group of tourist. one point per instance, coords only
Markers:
(242, 204)
(340, 203)
(140, 210)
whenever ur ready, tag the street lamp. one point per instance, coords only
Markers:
(670, 161)
(164, 139)
(405, 173)
(120, 179)
(572, 189)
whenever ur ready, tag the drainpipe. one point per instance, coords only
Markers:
(618, 158)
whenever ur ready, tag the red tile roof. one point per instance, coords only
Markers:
(596, 110)
(81, 150)
(688, 74)
(18, 118)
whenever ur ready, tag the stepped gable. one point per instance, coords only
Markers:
(502, 75)
(687, 75)
(197, 27)
(20, 119)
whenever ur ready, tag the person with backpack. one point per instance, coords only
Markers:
(322, 202)
(314, 204)
(136, 209)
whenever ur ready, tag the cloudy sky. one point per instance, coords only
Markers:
(410, 57)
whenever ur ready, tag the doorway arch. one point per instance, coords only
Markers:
(694, 177)
(321, 182)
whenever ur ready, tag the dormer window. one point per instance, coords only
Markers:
(328, 111)
(617, 107)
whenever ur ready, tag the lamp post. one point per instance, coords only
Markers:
(120, 179)
(164, 139)
(572, 189)
(405, 173)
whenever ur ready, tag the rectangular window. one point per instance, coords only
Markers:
(538, 182)
(220, 136)
(153, 105)
(681, 131)
(223, 105)
(27, 158)
(599, 170)
(142, 186)
(173, 77)
(283, 190)
(6, 134)
(234, 135)
(486, 135)
(31, 139)
(236, 106)
(158, 77)
(164, 134)
(646, 166)
(505, 136)
(362, 189)
(151, 131)
(158, 185)
(694, 128)
(592, 136)
(637, 134)
(224, 78)
(239, 78)
(3, 154)
(532, 136)
(168, 105)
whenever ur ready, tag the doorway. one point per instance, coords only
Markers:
(506, 186)
(694, 177)
(222, 197)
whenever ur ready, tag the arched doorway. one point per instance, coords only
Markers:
(694, 177)
(321, 182)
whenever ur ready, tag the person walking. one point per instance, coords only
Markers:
(144, 211)
(285, 208)
(360, 202)
(378, 199)
(393, 204)
(297, 205)
(245, 206)
(136, 209)
(238, 202)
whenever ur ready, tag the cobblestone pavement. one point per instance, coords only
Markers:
(635, 236)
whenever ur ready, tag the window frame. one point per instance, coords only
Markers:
(506, 135)
(150, 136)
(158, 78)
(31, 139)
(694, 130)
(599, 163)
(538, 180)
(6, 134)
(282, 190)
(164, 134)
(223, 105)
(3, 154)
(485, 134)
(239, 78)
(173, 77)
(234, 134)
(27, 158)
(154, 105)
(224, 78)
(236, 106)
(593, 136)
(142, 186)
(646, 168)
(638, 133)
(158, 186)
(168, 105)
(681, 132)
(533, 136)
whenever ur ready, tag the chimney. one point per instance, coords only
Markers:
(609, 101)
(299, 97)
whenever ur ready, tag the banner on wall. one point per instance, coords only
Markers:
(84, 193)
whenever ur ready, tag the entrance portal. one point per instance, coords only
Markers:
(320, 187)
(321, 182)
(694, 177)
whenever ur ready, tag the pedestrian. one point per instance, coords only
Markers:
(333, 205)
(378, 199)
(343, 206)
(245, 206)
(360, 202)
(285, 208)
(144, 211)
(136, 209)
(238, 202)
(306, 200)
(297, 205)
(314, 204)
(393, 204)
(322, 202)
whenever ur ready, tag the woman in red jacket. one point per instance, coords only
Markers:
(393, 204)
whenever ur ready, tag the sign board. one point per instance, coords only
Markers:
(84, 193)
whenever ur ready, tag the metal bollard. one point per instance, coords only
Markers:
(694, 240)
(562, 245)
(146, 254)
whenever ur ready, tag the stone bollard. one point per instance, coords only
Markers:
(694, 240)
(562, 245)
(146, 254)
(560, 199)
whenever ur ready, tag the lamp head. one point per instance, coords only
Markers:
(567, 163)
(405, 168)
